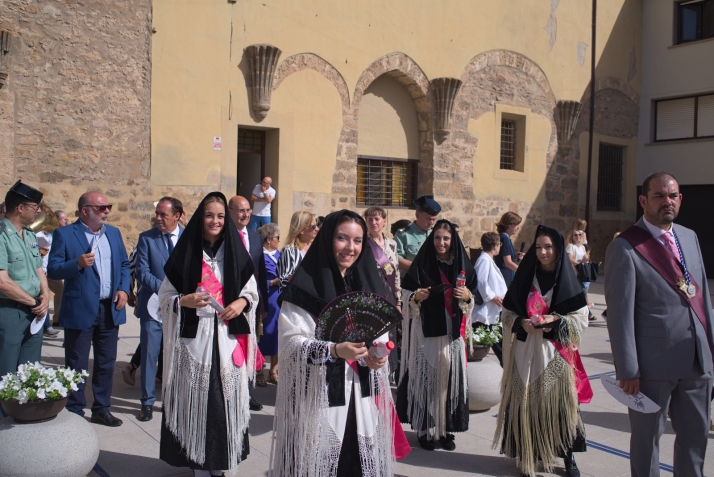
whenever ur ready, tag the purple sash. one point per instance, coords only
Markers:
(385, 266)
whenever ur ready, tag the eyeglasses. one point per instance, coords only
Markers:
(577, 234)
(101, 208)
(242, 211)
(277, 237)
(34, 207)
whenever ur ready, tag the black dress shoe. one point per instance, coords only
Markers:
(447, 442)
(106, 419)
(254, 405)
(146, 414)
(426, 444)
(571, 468)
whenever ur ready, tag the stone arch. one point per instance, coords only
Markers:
(406, 72)
(617, 84)
(302, 61)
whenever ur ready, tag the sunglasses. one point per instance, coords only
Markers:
(313, 227)
(101, 208)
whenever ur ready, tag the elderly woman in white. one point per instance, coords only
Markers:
(491, 286)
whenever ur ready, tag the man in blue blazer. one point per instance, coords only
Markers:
(152, 253)
(90, 257)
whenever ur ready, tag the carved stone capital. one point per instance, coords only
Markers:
(566, 117)
(445, 91)
(263, 59)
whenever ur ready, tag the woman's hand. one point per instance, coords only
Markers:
(349, 350)
(421, 294)
(520, 255)
(549, 319)
(234, 309)
(528, 326)
(195, 300)
(274, 282)
(498, 300)
(462, 293)
(586, 258)
(374, 363)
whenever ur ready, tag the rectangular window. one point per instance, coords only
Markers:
(684, 118)
(609, 178)
(696, 20)
(386, 182)
(508, 144)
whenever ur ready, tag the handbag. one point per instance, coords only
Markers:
(587, 272)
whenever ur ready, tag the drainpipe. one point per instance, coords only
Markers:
(592, 113)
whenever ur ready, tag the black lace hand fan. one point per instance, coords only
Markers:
(356, 317)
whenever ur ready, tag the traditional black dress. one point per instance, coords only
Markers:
(433, 389)
(205, 416)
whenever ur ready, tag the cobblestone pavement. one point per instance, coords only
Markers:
(132, 450)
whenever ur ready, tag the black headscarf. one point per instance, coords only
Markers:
(183, 269)
(424, 272)
(317, 281)
(568, 293)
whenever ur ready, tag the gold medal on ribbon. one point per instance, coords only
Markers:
(388, 268)
(688, 288)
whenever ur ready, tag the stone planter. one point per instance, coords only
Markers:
(480, 352)
(63, 447)
(37, 411)
(484, 378)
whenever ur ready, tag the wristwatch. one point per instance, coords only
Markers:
(37, 302)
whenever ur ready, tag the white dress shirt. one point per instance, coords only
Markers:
(490, 285)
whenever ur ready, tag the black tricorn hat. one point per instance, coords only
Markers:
(29, 193)
(428, 205)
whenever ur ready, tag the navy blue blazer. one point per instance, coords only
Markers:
(259, 272)
(151, 256)
(80, 301)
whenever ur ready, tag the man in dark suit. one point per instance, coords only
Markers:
(239, 208)
(152, 253)
(660, 326)
(90, 257)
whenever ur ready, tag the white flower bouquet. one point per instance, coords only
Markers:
(34, 382)
(482, 336)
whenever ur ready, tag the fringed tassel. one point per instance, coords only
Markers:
(233, 380)
(304, 444)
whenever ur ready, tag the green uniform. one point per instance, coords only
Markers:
(21, 258)
(409, 241)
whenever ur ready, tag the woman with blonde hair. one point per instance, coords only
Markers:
(508, 225)
(581, 225)
(302, 232)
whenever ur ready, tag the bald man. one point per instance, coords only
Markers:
(90, 257)
(239, 208)
(262, 197)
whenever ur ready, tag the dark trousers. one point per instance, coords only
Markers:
(102, 336)
(17, 344)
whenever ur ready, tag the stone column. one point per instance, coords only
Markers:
(263, 59)
(566, 117)
(445, 91)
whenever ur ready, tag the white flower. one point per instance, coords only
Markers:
(63, 391)
(41, 393)
(22, 396)
(68, 374)
(73, 386)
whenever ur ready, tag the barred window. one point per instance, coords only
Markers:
(508, 144)
(609, 178)
(386, 182)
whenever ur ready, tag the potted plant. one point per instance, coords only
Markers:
(36, 393)
(482, 338)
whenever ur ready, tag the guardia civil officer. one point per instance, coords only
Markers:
(23, 286)
(410, 239)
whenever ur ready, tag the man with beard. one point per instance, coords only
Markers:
(660, 325)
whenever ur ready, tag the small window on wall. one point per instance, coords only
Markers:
(684, 118)
(513, 129)
(386, 182)
(609, 178)
(695, 20)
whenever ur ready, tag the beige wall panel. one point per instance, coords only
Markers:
(388, 121)
(315, 105)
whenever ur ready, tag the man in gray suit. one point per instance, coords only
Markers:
(660, 325)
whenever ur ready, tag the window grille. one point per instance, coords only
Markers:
(249, 140)
(508, 144)
(696, 20)
(609, 178)
(386, 182)
(684, 118)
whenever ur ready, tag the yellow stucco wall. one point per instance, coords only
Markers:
(388, 121)
(199, 87)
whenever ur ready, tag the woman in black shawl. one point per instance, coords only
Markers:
(433, 372)
(332, 417)
(212, 358)
(544, 313)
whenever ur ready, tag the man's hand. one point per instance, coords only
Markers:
(44, 251)
(120, 299)
(43, 307)
(498, 300)
(520, 255)
(86, 260)
(234, 309)
(630, 386)
(131, 301)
